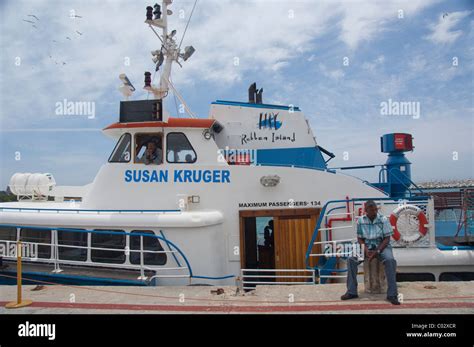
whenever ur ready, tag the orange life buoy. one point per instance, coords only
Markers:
(413, 210)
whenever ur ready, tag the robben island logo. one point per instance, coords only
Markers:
(266, 131)
(269, 121)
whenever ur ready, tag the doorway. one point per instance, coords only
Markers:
(276, 239)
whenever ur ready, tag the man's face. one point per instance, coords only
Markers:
(371, 211)
(151, 147)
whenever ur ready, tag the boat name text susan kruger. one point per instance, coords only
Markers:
(177, 176)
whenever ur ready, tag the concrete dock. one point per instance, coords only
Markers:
(417, 297)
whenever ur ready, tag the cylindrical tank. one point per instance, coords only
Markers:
(17, 183)
(28, 184)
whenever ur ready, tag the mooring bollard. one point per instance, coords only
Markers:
(19, 302)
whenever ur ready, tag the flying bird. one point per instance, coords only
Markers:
(78, 32)
(32, 15)
(67, 37)
(445, 14)
(29, 21)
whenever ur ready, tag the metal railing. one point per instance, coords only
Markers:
(79, 211)
(321, 269)
(55, 259)
(253, 277)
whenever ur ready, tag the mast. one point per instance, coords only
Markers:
(168, 53)
(163, 58)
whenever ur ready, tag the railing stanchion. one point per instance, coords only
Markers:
(142, 271)
(19, 302)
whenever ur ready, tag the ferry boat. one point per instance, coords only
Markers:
(244, 196)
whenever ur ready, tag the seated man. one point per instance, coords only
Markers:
(153, 154)
(373, 234)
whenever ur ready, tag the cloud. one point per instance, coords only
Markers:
(372, 66)
(293, 49)
(232, 39)
(362, 22)
(331, 73)
(441, 32)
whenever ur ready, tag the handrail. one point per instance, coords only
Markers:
(297, 166)
(273, 274)
(392, 175)
(323, 214)
(169, 243)
(39, 210)
(55, 244)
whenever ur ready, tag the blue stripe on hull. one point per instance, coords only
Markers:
(64, 279)
(310, 157)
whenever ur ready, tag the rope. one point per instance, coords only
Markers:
(186, 28)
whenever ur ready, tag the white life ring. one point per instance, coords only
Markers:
(410, 210)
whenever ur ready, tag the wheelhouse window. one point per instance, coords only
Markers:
(149, 149)
(122, 150)
(179, 149)
(151, 244)
(73, 240)
(42, 236)
(116, 244)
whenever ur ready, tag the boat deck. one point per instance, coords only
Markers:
(70, 274)
(418, 297)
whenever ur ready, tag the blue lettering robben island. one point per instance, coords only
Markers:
(178, 176)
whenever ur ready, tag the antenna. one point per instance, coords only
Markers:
(169, 52)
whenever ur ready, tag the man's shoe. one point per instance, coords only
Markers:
(349, 296)
(393, 300)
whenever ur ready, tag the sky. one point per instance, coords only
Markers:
(339, 61)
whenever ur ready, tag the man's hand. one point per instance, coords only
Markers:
(372, 255)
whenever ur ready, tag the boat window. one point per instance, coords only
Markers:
(74, 240)
(42, 236)
(121, 152)
(116, 244)
(149, 149)
(149, 244)
(456, 276)
(415, 277)
(7, 234)
(179, 149)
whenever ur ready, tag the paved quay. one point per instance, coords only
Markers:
(418, 297)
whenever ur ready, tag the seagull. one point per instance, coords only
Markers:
(76, 16)
(445, 14)
(78, 32)
(67, 37)
(29, 21)
(32, 15)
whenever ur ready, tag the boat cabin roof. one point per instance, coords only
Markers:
(171, 123)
